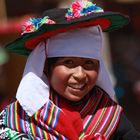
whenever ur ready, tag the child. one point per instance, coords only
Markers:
(65, 92)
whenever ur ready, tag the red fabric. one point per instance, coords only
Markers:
(73, 116)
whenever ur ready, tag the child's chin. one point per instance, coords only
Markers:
(75, 98)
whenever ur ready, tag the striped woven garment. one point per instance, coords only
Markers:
(94, 118)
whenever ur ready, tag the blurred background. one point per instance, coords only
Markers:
(121, 51)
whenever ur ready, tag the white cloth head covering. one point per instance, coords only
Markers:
(33, 91)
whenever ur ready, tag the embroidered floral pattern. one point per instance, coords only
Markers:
(9, 134)
(34, 24)
(2, 117)
(3, 133)
(82, 8)
(27, 124)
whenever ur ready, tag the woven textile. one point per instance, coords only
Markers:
(92, 118)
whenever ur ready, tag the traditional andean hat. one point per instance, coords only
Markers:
(82, 13)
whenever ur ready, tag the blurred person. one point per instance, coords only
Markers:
(136, 90)
(64, 3)
(3, 99)
(65, 92)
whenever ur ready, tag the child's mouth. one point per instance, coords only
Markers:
(77, 86)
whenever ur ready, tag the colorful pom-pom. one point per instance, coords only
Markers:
(82, 8)
(34, 24)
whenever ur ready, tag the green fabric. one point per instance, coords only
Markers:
(9, 134)
(3, 56)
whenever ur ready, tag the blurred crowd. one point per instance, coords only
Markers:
(122, 49)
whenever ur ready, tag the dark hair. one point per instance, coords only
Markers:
(50, 62)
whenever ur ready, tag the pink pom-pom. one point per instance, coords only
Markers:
(27, 27)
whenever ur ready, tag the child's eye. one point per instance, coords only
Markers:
(89, 64)
(69, 63)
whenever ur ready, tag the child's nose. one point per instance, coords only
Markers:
(79, 74)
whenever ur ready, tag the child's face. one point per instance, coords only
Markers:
(73, 77)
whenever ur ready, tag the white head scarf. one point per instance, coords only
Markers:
(33, 91)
